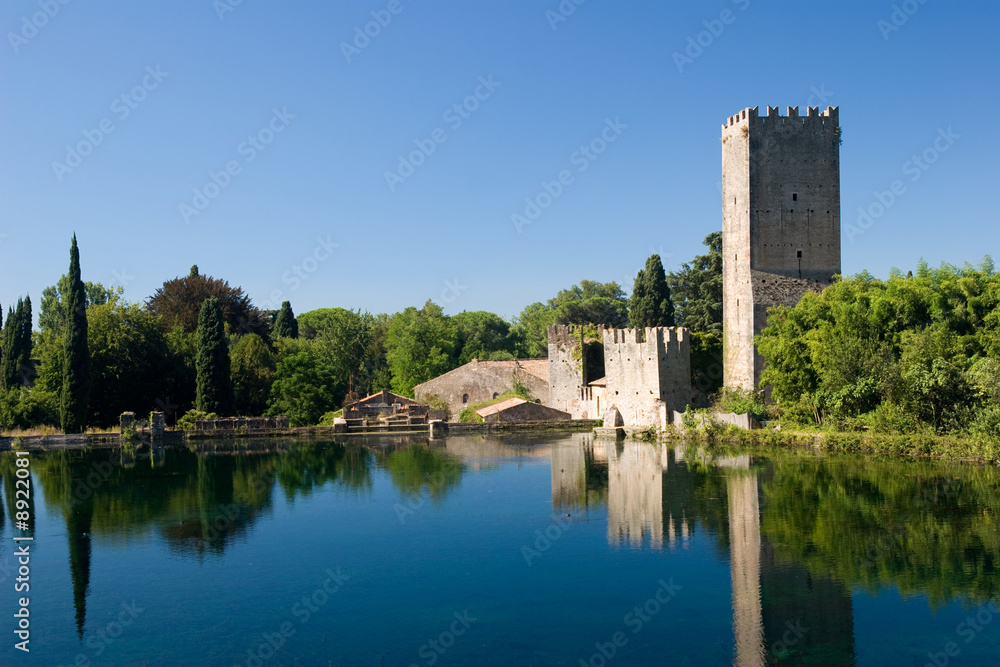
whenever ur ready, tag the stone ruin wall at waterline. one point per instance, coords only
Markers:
(781, 222)
(647, 373)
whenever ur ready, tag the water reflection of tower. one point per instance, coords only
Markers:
(782, 612)
(579, 474)
(650, 495)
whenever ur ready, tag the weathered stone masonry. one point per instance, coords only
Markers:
(781, 222)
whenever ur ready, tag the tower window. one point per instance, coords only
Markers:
(798, 253)
(795, 196)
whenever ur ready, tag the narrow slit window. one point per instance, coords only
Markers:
(798, 253)
(795, 196)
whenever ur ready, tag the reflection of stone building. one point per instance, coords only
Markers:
(579, 474)
(782, 613)
(649, 490)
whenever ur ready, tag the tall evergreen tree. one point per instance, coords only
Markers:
(16, 369)
(285, 324)
(697, 289)
(214, 385)
(650, 304)
(8, 346)
(76, 367)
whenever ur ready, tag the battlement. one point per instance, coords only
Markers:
(792, 113)
(664, 335)
(569, 334)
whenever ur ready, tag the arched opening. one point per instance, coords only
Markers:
(465, 399)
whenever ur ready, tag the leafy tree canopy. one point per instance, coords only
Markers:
(696, 289)
(179, 301)
(420, 345)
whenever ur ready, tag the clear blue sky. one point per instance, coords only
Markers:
(322, 178)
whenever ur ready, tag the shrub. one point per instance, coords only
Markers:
(187, 422)
(740, 401)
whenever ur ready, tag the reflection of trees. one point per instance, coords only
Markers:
(923, 527)
(419, 469)
(307, 466)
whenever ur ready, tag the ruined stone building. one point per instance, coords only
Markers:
(644, 373)
(479, 381)
(780, 222)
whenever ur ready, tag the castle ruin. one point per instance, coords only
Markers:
(644, 373)
(780, 222)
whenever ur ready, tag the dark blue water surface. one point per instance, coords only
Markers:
(518, 550)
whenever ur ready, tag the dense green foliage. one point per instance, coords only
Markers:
(420, 345)
(910, 353)
(16, 367)
(650, 304)
(352, 345)
(178, 302)
(285, 325)
(214, 392)
(252, 364)
(696, 289)
(483, 335)
(76, 378)
(129, 359)
(590, 302)
(302, 390)
(53, 310)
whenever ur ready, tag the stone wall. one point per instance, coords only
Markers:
(781, 216)
(566, 390)
(479, 381)
(648, 373)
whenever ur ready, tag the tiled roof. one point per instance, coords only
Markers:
(500, 407)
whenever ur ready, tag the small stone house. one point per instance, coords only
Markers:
(479, 381)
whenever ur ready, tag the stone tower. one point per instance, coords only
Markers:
(780, 222)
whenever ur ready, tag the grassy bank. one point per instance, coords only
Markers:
(920, 444)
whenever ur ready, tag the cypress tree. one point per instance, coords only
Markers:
(9, 348)
(76, 365)
(650, 304)
(214, 387)
(285, 324)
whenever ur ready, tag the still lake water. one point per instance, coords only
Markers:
(502, 551)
